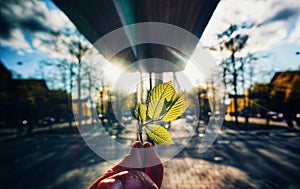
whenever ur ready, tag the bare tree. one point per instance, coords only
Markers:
(70, 47)
(232, 41)
(77, 47)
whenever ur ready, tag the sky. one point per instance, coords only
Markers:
(25, 25)
(275, 32)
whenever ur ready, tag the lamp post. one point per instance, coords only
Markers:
(69, 105)
(102, 103)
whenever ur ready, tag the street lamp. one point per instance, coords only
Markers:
(103, 97)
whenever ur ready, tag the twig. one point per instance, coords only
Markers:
(140, 132)
(152, 120)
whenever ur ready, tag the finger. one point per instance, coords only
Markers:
(154, 167)
(134, 159)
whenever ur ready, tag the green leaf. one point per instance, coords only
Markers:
(140, 112)
(176, 109)
(159, 134)
(158, 95)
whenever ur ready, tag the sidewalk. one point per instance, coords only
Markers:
(186, 173)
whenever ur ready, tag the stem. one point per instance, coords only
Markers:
(152, 121)
(140, 132)
(141, 138)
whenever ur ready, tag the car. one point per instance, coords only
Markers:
(46, 121)
(127, 117)
(298, 119)
(275, 116)
(189, 119)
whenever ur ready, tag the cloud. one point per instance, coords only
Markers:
(294, 36)
(58, 47)
(274, 21)
(262, 39)
(282, 22)
(230, 12)
(21, 20)
(282, 15)
(20, 53)
(17, 41)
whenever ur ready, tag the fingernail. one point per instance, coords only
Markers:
(137, 144)
(147, 145)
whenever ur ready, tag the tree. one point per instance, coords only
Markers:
(76, 46)
(70, 47)
(233, 42)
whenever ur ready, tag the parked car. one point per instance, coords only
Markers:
(127, 117)
(46, 122)
(275, 116)
(298, 119)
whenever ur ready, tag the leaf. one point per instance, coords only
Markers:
(176, 109)
(140, 112)
(158, 95)
(159, 134)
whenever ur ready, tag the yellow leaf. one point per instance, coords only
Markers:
(158, 95)
(176, 109)
(159, 134)
(140, 112)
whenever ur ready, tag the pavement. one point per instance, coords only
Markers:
(237, 159)
(189, 172)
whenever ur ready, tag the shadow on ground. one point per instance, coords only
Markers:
(268, 155)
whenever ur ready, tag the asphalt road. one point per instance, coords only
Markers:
(63, 160)
(271, 157)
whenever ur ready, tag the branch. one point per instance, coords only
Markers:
(140, 132)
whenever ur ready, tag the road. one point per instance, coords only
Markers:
(47, 160)
(63, 160)
(268, 156)
(9, 133)
(256, 120)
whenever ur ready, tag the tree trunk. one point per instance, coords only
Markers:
(79, 95)
(235, 88)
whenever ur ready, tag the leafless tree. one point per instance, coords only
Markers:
(232, 41)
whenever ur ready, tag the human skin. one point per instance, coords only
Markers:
(145, 176)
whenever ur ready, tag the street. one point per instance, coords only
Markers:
(237, 159)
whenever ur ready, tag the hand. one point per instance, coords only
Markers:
(126, 176)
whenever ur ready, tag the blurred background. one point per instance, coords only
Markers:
(50, 72)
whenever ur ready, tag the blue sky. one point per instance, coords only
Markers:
(24, 26)
(276, 32)
(10, 57)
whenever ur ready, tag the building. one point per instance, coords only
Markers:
(285, 92)
(282, 95)
(28, 99)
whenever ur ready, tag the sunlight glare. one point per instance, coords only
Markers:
(112, 72)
